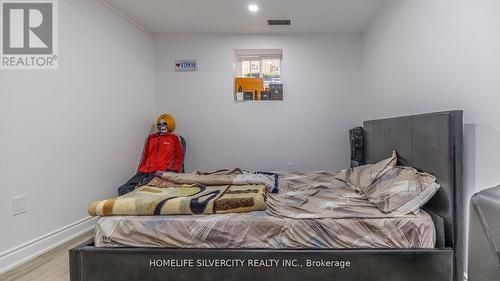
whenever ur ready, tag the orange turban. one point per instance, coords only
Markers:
(170, 121)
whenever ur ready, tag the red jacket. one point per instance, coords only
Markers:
(162, 152)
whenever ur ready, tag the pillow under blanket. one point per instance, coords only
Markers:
(401, 189)
(361, 177)
(234, 177)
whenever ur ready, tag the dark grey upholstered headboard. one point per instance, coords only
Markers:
(431, 143)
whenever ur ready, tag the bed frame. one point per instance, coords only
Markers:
(430, 142)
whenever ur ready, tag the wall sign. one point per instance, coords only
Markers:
(186, 65)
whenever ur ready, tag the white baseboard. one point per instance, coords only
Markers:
(36, 247)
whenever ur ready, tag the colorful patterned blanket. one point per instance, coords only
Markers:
(183, 200)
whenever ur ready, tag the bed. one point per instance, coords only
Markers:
(313, 210)
(427, 246)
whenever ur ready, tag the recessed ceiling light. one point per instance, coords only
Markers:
(253, 8)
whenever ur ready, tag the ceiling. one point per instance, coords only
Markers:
(233, 17)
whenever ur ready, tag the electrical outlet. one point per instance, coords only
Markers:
(19, 205)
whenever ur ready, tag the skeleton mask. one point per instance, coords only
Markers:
(162, 126)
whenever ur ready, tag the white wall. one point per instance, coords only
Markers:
(71, 136)
(308, 129)
(429, 55)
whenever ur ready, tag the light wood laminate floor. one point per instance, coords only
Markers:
(51, 266)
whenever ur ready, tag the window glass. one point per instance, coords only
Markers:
(250, 69)
(269, 69)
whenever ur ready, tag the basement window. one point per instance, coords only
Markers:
(258, 71)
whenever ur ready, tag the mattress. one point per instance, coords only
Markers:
(262, 230)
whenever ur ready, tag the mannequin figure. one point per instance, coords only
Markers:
(163, 151)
